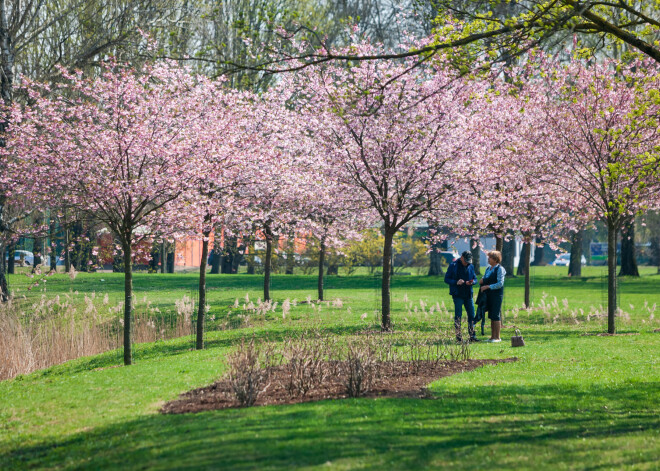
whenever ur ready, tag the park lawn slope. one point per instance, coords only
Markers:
(571, 400)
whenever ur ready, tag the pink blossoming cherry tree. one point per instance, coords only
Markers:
(121, 146)
(400, 146)
(598, 130)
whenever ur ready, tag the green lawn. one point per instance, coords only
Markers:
(571, 402)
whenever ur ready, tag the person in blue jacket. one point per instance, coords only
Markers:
(460, 277)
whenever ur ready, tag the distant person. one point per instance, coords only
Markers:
(460, 277)
(493, 284)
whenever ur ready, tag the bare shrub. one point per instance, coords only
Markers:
(386, 349)
(459, 351)
(247, 373)
(307, 361)
(360, 366)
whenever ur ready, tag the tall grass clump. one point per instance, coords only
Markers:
(40, 334)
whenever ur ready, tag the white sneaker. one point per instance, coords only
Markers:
(493, 340)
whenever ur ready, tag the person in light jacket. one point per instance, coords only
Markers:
(493, 284)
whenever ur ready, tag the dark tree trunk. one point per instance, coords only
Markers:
(321, 268)
(527, 255)
(238, 258)
(611, 277)
(163, 257)
(508, 256)
(85, 257)
(499, 243)
(4, 288)
(53, 245)
(128, 302)
(475, 249)
(655, 251)
(575, 263)
(386, 322)
(201, 308)
(435, 258)
(333, 269)
(67, 252)
(435, 267)
(37, 249)
(6, 93)
(11, 259)
(155, 257)
(539, 253)
(216, 257)
(171, 254)
(522, 267)
(118, 264)
(228, 254)
(290, 255)
(628, 255)
(268, 262)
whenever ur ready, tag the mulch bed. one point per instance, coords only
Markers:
(395, 379)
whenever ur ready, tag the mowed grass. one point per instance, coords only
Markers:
(361, 293)
(573, 401)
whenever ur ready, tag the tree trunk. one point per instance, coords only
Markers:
(575, 263)
(6, 93)
(215, 261)
(155, 257)
(321, 267)
(67, 253)
(163, 257)
(527, 256)
(118, 264)
(628, 255)
(655, 251)
(539, 253)
(333, 268)
(250, 259)
(290, 255)
(475, 249)
(268, 262)
(228, 254)
(508, 256)
(4, 288)
(611, 277)
(435, 265)
(37, 249)
(238, 258)
(499, 243)
(522, 266)
(53, 246)
(435, 258)
(11, 259)
(128, 302)
(199, 345)
(171, 256)
(386, 322)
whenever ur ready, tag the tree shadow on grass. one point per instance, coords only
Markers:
(517, 426)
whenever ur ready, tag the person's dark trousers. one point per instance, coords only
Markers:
(458, 314)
